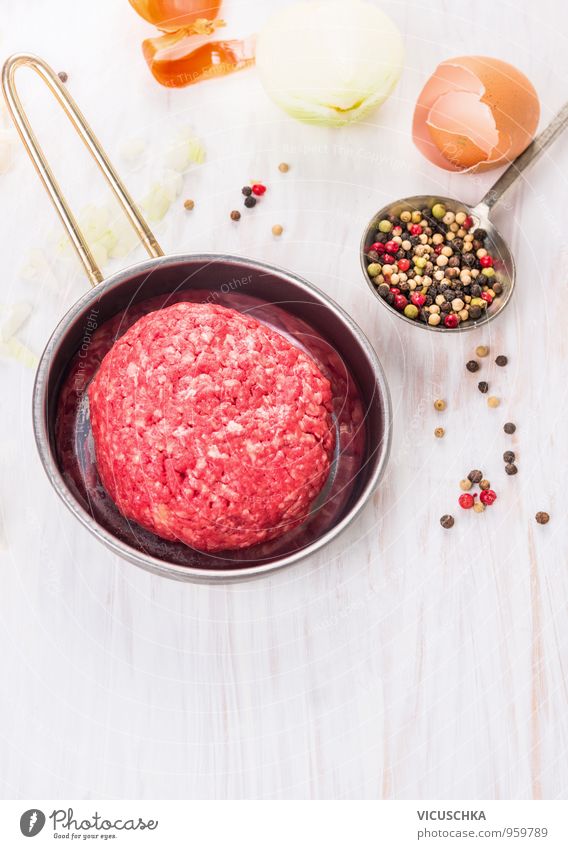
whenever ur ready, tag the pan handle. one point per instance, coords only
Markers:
(46, 174)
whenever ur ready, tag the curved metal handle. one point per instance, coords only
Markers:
(46, 174)
(522, 162)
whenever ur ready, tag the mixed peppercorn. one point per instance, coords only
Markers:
(432, 265)
(486, 496)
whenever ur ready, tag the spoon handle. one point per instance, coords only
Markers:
(522, 162)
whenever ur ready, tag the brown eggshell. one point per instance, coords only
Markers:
(475, 113)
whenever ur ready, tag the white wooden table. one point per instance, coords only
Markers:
(403, 661)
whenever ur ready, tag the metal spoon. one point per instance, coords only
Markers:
(481, 215)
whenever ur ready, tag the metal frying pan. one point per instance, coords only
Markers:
(311, 320)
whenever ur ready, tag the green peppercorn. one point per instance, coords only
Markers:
(438, 210)
(373, 269)
(411, 311)
(385, 226)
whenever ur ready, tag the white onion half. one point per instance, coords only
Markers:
(329, 61)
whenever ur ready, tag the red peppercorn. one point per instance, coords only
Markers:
(391, 247)
(486, 261)
(487, 496)
(403, 264)
(388, 259)
(394, 290)
(378, 247)
(468, 223)
(400, 302)
(258, 189)
(487, 297)
(451, 320)
(416, 229)
(438, 249)
(418, 299)
(397, 231)
(466, 500)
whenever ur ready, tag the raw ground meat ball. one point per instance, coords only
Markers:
(211, 428)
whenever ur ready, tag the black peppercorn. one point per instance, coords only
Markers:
(250, 201)
(541, 517)
(501, 360)
(497, 288)
(475, 476)
(509, 456)
(469, 259)
(509, 427)
(475, 312)
(511, 469)
(454, 262)
(384, 290)
(483, 386)
(235, 215)
(63, 76)
(472, 365)
(247, 191)
(480, 234)
(448, 521)
(476, 290)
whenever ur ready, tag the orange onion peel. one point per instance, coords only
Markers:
(172, 15)
(185, 57)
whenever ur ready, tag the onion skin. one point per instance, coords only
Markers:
(171, 15)
(177, 60)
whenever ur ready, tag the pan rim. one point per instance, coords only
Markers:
(148, 562)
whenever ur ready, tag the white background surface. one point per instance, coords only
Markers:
(403, 661)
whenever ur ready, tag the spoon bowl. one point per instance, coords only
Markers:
(496, 245)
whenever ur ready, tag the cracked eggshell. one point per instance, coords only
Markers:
(475, 113)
